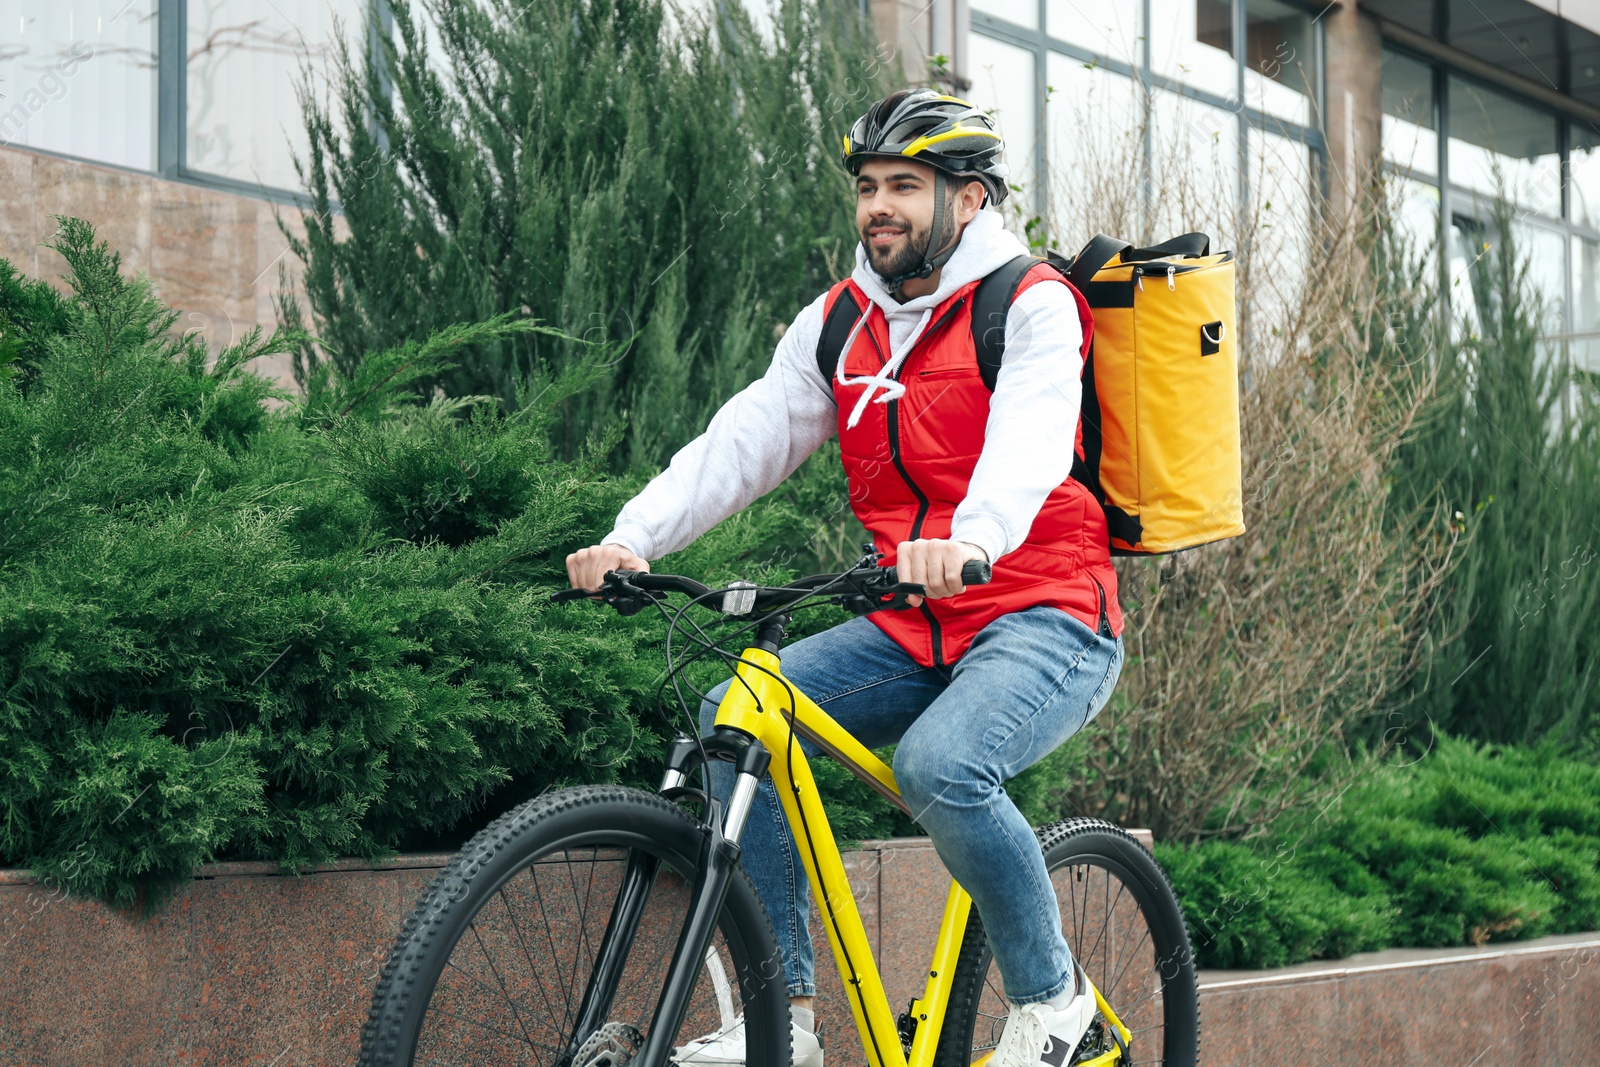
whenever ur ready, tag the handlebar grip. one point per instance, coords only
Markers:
(973, 572)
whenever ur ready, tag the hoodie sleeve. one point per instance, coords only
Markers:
(754, 441)
(1032, 428)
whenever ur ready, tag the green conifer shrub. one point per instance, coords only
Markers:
(321, 630)
(1512, 447)
(609, 167)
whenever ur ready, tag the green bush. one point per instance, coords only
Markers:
(1471, 844)
(30, 312)
(302, 633)
(1248, 908)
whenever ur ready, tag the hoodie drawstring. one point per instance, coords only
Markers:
(884, 378)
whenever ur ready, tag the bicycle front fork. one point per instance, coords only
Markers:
(719, 855)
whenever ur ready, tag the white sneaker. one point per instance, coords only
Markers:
(725, 1048)
(1037, 1035)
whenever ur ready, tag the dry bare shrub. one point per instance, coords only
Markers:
(1250, 661)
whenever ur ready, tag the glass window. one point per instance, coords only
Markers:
(1414, 213)
(1003, 85)
(1095, 144)
(80, 78)
(1196, 169)
(1545, 253)
(244, 65)
(1107, 29)
(1468, 244)
(1497, 141)
(1410, 129)
(1190, 42)
(680, 13)
(1585, 346)
(1020, 12)
(1584, 191)
(1280, 222)
(1280, 60)
(1213, 24)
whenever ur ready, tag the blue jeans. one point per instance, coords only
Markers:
(1030, 681)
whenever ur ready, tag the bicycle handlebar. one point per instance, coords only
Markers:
(863, 590)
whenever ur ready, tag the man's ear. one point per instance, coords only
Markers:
(969, 201)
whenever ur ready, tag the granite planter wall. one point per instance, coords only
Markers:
(247, 967)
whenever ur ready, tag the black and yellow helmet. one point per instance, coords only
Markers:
(944, 132)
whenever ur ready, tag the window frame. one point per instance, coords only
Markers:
(1042, 44)
(1456, 200)
(171, 125)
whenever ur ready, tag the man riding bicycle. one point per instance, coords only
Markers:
(975, 685)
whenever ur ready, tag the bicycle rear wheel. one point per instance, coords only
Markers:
(1124, 926)
(519, 952)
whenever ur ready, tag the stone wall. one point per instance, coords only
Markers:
(213, 256)
(249, 967)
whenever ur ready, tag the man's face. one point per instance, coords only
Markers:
(894, 212)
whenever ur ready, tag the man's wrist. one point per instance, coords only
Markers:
(622, 541)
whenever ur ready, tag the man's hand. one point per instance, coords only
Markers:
(587, 567)
(935, 565)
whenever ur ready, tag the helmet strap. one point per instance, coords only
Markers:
(938, 237)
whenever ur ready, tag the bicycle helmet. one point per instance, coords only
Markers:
(943, 132)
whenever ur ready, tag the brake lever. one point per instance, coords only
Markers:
(865, 600)
(902, 590)
(625, 597)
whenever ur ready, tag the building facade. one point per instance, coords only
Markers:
(173, 125)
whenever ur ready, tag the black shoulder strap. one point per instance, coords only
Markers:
(1096, 254)
(990, 302)
(835, 331)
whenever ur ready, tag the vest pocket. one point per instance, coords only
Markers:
(934, 374)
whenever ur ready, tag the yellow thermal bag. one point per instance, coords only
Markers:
(1164, 370)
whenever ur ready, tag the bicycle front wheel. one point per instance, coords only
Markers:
(1124, 926)
(547, 940)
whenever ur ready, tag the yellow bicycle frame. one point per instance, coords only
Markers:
(760, 703)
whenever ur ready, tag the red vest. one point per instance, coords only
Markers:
(909, 462)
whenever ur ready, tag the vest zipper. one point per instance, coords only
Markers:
(935, 633)
(1105, 622)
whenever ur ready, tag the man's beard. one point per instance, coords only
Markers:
(903, 259)
(909, 256)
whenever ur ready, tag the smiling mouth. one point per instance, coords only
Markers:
(883, 235)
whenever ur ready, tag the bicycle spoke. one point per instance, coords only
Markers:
(481, 1025)
(1116, 982)
(1103, 926)
(580, 949)
(550, 938)
(453, 965)
(489, 959)
(1104, 966)
(526, 954)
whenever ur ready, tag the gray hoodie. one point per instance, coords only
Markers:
(764, 432)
